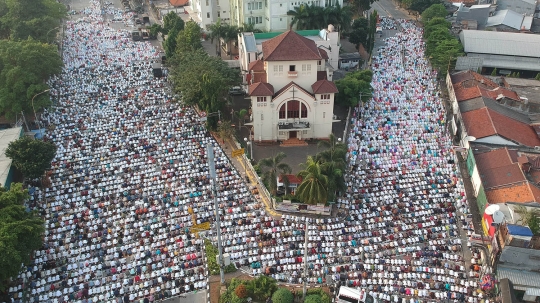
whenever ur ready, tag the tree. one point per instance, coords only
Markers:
(333, 163)
(169, 45)
(203, 80)
(241, 291)
(434, 24)
(353, 87)
(273, 167)
(261, 287)
(282, 295)
(189, 39)
(494, 72)
(339, 16)
(249, 27)
(537, 77)
(314, 186)
(31, 157)
(154, 30)
(359, 32)
(241, 115)
(20, 232)
(300, 16)
(361, 6)
(373, 18)
(313, 299)
(446, 54)
(230, 34)
(172, 21)
(25, 66)
(217, 31)
(36, 19)
(434, 11)
(528, 218)
(225, 130)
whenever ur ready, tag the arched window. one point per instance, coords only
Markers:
(293, 109)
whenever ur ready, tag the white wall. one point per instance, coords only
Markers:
(495, 140)
(281, 78)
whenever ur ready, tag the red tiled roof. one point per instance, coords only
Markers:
(293, 179)
(514, 130)
(257, 65)
(290, 46)
(502, 175)
(522, 192)
(485, 122)
(321, 75)
(324, 87)
(178, 2)
(469, 78)
(324, 54)
(493, 159)
(494, 94)
(478, 123)
(261, 89)
(463, 94)
(286, 87)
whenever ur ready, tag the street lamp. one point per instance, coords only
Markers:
(34, 109)
(250, 144)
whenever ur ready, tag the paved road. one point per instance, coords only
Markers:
(390, 9)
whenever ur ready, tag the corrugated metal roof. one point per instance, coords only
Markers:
(506, 17)
(522, 258)
(501, 43)
(519, 277)
(519, 230)
(249, 42)
(535, 292)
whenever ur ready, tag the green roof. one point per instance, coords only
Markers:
(311, 32)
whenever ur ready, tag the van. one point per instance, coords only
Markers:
(353, 295)
(236, 91)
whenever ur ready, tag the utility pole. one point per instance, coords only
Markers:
(212, 167)
(305, 260)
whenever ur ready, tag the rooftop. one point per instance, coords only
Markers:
(290, 46)
(522, 258)
(501, 43)
(509, 18)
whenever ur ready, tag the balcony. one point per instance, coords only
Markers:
(293, 125)
(292, 74)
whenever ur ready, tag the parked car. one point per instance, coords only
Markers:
(236, 91)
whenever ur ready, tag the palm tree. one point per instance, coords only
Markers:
(314, 186)
(241, 115)
(333, 164)
(274, 169)
(217, 31)
(340, 17)
(300, 17)
(249, 27)
(230, 34)
(529, 218)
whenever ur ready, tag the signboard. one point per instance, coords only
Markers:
(238, 152)
(476, 238)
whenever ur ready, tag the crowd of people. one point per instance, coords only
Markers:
(131, 179)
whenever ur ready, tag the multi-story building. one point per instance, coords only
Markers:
(270, 15)
(292, 95)
(206, 12)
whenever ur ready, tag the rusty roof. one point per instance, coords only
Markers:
(261, 89)
(257, 65)
(290, 46)
(324, 87)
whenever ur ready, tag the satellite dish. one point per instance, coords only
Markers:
(498, 217)
(470, 138)
(491, 209)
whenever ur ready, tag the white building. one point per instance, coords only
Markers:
(206, 12)
(270, 15)
(292, 95)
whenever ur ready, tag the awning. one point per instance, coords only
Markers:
(520, 278)
(535, 292)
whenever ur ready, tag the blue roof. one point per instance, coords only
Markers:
(518, 230)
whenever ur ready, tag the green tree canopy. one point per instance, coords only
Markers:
(359, 32)
(282, 295)
(435, 24)
(361, 6)
(25, 66)
(352, 85)
(202, 79)
(434, 11)
(20, 233)
(314, 186)
(261, 287)
(333, 163)
(31, 157)
(38, 19)
(529, 218)
(189, 39)
(316, 17)
(272, 169)
(172, 21)
(313, 299)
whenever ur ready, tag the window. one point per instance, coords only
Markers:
(218, 14)
(207, 15)
(249, 7)
(306, 68)
(304, 111)
(261, 99)
(254, 20)
(278, 70)
(262, 117)
(282, 111)
(293, 109)
(207, 2)
(292, 68)
(304, 132)
(319, 62)
(325, 96)
(324, 115)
